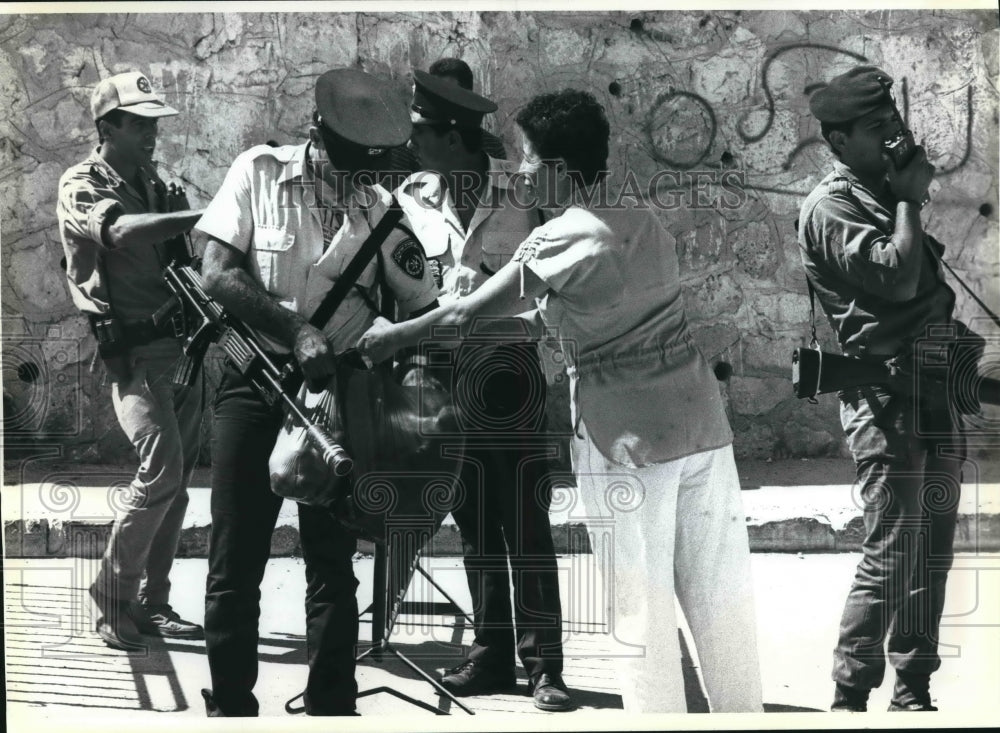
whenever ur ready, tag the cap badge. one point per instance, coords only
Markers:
(143, 84)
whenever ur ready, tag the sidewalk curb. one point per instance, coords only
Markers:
(81, 538)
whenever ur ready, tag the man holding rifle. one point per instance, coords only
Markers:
(116, 219)
(879, 280)
(282, 228)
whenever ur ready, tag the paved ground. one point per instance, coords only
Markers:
(60, 676)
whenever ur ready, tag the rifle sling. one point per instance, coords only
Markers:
(344, 283)
(814, 343)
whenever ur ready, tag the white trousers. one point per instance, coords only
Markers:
(674, 528)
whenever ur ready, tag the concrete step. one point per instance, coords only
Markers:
(790, 506)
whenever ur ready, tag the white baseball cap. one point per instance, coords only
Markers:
(131, 92)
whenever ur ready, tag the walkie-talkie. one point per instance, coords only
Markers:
(900, 147)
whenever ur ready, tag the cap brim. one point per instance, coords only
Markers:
(150, 109)
(418, 119)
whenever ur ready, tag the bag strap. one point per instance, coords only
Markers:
(358, 263)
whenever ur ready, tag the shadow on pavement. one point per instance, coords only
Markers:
(778, 708)
(55, 658)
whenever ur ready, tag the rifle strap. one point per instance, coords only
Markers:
(980, 303)
(358, 263)
(814, 342)
(927, 242)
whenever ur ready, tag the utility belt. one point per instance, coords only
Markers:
(115, 336)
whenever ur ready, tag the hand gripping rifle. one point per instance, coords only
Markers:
(210, 323)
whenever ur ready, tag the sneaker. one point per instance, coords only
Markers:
(162, 620)
(550, 693)
(475, 678)
(849, 699)
(115, 625)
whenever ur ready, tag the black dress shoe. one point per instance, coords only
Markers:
(849, 699)
(911, 693)
(914, 707)
(550, 693)
(212, 710)
(248, 708)
(475, 678)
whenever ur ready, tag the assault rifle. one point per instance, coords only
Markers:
(209, 323)
(818, 372)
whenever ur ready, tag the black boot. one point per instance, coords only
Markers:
(911, 693)
(849, 699)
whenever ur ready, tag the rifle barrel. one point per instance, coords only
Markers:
(243, 351)
(989, 390)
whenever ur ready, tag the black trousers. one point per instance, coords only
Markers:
(244, 512)
(504, 513)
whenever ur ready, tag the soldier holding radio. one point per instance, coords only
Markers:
(878, 277)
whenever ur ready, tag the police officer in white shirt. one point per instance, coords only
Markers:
(469, 216)
(281, 229)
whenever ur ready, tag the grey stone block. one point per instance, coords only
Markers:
(26, 538)
(977, 533)
(194, 542)
(798, 535)
(851, 536)
(285, 542)
(80, 539)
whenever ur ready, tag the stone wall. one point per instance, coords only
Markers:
(717, 99)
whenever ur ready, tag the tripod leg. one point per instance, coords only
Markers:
(437, 685)
(419, 568)
(379, 591)
(384, 616)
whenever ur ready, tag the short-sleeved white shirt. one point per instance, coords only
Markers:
(467, 258)
(641, 386)
(267, 209)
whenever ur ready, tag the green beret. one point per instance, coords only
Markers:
(849, 96)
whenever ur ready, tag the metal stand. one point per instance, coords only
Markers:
(389, 592)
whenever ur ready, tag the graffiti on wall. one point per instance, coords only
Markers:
(681, 127)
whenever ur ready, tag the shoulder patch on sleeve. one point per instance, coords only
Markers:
(409, 256)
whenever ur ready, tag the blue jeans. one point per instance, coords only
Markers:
(244, 512)
(909, 480)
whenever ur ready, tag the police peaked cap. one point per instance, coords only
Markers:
(442, 101)
(849, 96)
(363, 109)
